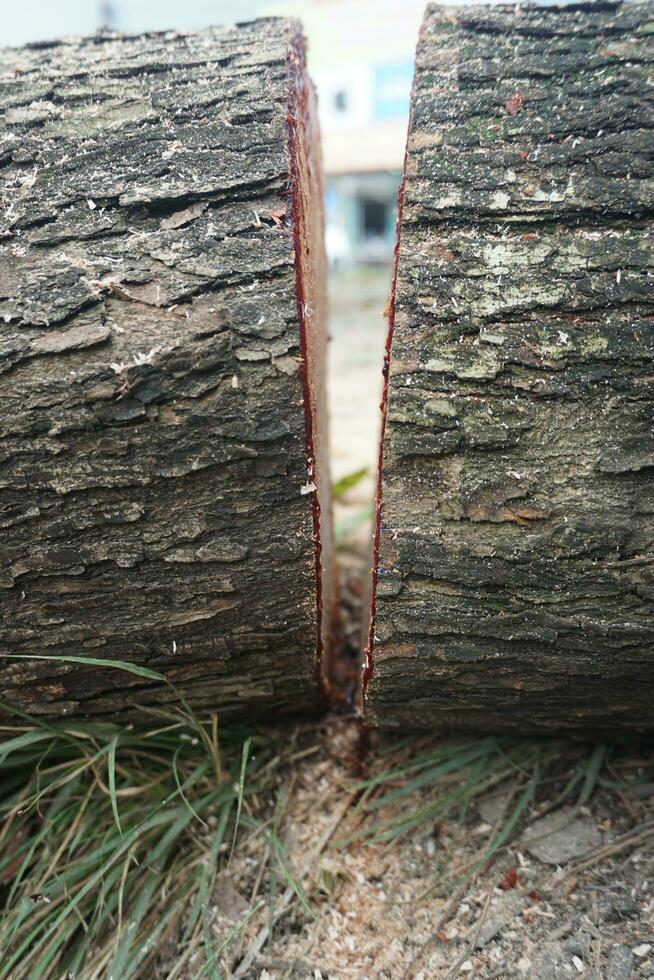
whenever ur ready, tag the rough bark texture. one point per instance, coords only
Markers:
(161, 341)
(516, 564)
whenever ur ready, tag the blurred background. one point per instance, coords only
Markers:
(360, 56)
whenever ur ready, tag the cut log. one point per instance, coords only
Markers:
(515, 579)
(163, 474)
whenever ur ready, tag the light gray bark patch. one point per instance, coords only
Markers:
(75, 338)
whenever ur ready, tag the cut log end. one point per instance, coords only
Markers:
(311, 276)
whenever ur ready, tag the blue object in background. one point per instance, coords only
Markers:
(392, 90)
(332, 200)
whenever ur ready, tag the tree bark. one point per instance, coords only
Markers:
(515, 581)
(163, 476)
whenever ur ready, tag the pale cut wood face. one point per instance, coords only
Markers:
(153, 441)
(516, 563)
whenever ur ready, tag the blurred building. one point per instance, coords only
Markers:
(361, 55)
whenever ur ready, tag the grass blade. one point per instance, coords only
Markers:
(91, 662)
(347, 482)
(241, 790)
(593, 769)
(111, 765)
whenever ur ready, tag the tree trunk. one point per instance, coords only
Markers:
(163, 477)
(515, 582)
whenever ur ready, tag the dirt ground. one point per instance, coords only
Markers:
(568, 890)
(552, 905)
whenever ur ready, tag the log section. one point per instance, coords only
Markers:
(163, 481)
(515, 580)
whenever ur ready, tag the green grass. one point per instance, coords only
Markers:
(425, 783)
(346, 527)
(341, 487)
(111, 840)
